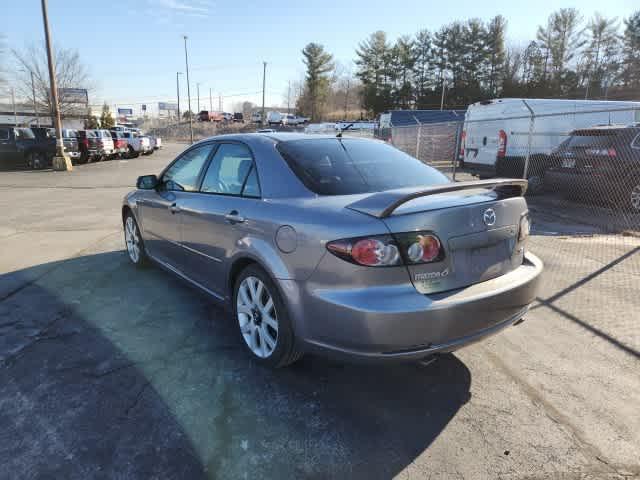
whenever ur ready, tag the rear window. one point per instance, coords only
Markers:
(332, 166)
(92, 134)
(591, 140)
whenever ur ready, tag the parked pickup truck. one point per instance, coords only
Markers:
(138, 144)
(19, 147)
(95, 145)
(120, 144)
(70, 141)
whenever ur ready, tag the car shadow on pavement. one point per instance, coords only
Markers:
(106, 368)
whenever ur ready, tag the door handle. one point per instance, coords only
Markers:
(174, 208)
(233, 217)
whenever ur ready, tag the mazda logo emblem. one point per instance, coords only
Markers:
(489, 217)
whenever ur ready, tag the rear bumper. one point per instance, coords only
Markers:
(397, 323)
(574, 183)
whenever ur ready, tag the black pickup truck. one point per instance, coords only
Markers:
(19, 147)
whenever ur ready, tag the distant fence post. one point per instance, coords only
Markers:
(418, 139)
(532, 120)
(456, 148)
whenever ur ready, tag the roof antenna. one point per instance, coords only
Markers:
(339, 134)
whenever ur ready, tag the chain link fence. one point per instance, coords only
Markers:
(583, 169)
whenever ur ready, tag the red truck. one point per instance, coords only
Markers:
(206, 116)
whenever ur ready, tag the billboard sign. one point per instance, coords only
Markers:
(168, 106)
(73, 95)
(125, 111)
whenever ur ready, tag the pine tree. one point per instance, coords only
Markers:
(631, 55)
(106, 119)
(423, 67)
(319, 63)
(496, 52)
(374, 71)
(404, 59)
(601, 53)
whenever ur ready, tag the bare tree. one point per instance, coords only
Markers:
(70, 73)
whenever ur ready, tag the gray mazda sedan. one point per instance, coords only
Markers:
(344, 246)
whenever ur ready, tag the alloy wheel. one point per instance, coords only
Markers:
(132, 238)
(257, 317)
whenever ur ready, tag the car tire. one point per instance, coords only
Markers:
(256, 298)
(134, 245)
(633, 197)
(36, 160)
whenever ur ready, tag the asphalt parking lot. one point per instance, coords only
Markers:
(109, 372)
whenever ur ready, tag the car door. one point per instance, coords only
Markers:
(8, 151)
(160, 209)
(220, 216)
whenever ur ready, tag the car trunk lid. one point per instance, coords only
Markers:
(477, 228)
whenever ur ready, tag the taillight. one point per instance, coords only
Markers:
(371, 252)
(612, 152)
(463, 137)
(502, 143)
(85, 142)
(389, 250)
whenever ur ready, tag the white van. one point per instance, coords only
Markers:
(495, 137)
(275, 118)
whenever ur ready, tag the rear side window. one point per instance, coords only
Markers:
(332, 166)
(4, 134)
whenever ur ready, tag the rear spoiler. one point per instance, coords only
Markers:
(383, 204)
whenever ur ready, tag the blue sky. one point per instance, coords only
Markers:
(133, 48)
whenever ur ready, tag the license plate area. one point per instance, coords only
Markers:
(569, 163)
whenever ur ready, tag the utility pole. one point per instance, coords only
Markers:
(61, 162)
(264, 78)
(198, 88)
(210, 101)
(186, 62)
(219, 102)
(13, 102)
(178, 91)
(289, 97)
(33, 92)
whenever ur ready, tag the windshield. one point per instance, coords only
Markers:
(329, 166)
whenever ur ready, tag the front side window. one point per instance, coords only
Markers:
(229, 169)
(23, 133)
(333, 166)
(4, 134)
(183, 174)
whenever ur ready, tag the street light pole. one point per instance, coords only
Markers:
(35, 105)
(264, 77)
(61, 161)
(198, 88)
(186, 62)
(178, 91)
(210, 101)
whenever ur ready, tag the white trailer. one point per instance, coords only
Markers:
(498, 134)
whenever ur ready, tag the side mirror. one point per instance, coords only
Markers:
(147, 182)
